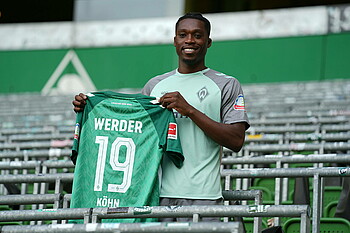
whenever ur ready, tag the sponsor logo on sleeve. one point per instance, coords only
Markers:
(239, 103)
(172, 131)
(76, 132)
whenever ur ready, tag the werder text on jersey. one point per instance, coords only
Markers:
(118, 125)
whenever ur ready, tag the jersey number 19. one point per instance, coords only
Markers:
(126, 167)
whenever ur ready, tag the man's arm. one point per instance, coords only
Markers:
(228, 135)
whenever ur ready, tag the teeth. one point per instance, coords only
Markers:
(188, 50)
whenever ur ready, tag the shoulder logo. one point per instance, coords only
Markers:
(239, 103)
(202, 94)
(172, 131)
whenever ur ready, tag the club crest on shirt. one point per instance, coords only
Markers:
(239, 103)
(202, 94)
(172, 131)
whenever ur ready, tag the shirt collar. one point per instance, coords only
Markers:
(198, 72)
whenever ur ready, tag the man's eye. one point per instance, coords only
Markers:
(182, 35)
(197, 36)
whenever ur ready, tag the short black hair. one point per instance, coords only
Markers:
(195, 15)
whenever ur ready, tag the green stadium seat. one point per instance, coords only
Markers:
(328, 225)
(329, 209)
(331, 194)
(265, 182)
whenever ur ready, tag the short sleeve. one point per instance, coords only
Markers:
(233, 104)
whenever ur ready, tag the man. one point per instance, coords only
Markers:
(209, 107)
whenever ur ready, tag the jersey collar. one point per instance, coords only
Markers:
(195, 73)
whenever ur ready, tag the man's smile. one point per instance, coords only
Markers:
(189, 50)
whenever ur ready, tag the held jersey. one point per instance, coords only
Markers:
(218, 96)
(119, 142)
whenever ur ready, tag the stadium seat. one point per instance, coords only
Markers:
(328, 225)
(330, 209)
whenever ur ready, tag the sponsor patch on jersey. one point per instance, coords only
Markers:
(239, 103)
(77, 130)
(172, 131)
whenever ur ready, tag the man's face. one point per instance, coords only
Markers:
(191, 41)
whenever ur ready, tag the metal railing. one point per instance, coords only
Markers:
(25, 199)
(34, 154)
(282, 161)
(96, 215)
(316, 173)
(201, 227)
(57, 178)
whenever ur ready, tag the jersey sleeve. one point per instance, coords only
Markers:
(147, 89)
(233, 104)
(77, 131)
(173, 147)
(169, 139)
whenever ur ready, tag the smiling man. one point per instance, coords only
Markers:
(210, 112)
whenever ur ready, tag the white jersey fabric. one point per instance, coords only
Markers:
(221, 98)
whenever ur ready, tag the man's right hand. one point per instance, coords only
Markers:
(79, 102)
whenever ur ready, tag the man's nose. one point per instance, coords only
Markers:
(189, 39)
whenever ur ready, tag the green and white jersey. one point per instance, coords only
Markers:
(221, 98)
(119, 143)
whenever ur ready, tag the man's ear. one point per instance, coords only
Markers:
(209, 42)
(174, 41)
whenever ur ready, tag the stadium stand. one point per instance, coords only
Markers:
(302, 122)
(298, 130)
